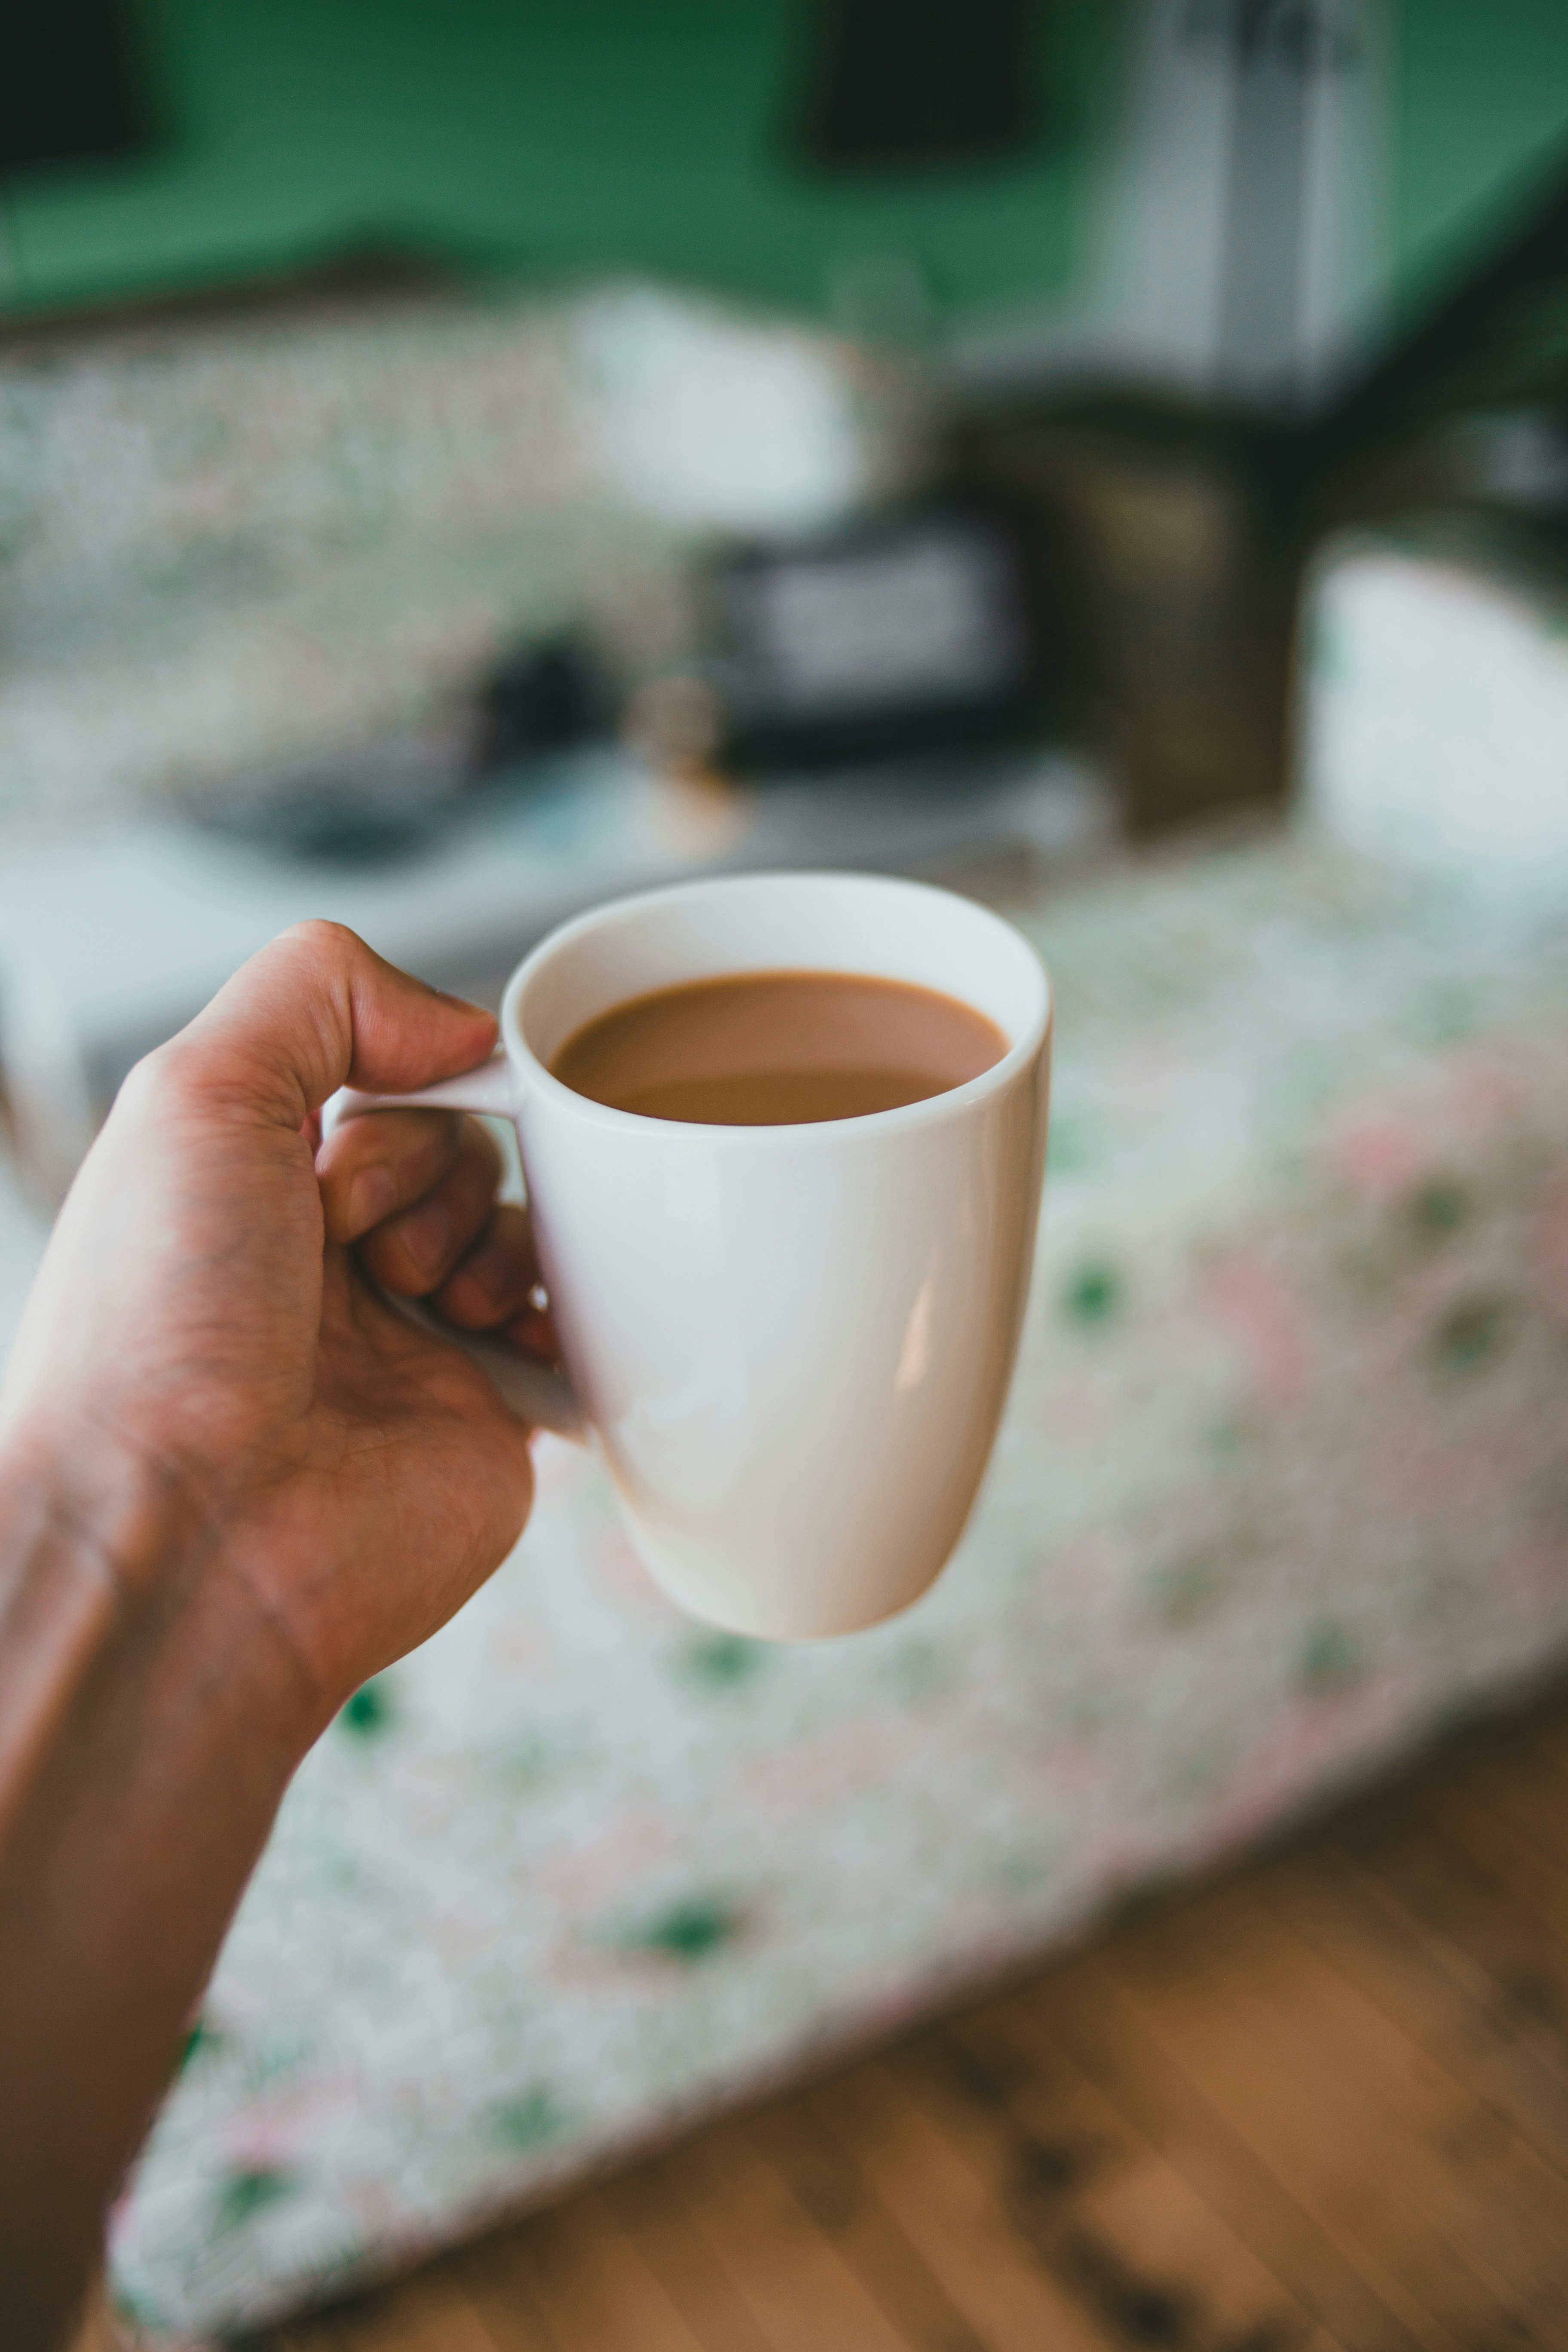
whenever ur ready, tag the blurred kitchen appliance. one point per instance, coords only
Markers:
(1159, 531)
(908, 633)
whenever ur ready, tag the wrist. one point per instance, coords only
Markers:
(111, 1561)
(146, 1737)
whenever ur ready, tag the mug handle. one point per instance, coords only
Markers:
(540, 1395)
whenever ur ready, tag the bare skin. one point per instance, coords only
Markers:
(234, 1484)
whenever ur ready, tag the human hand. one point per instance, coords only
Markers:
(203, 1323)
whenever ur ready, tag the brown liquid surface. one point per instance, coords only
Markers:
(778, 1049)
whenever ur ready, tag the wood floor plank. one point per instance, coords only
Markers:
(1483, 1931)
(1466, 1816)
(847, 2207)
(569, 2278)
(1376, 2125)
(506, 2315)
(651, 2211)
(431, 2312)
(1135, 2240)
(1449, 2005)
(1147, 2081)
(789, 2274)
(1546, 1732)
(1369, 2213)
(941, 2186)
(1526, 1786)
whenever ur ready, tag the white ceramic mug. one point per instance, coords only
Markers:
(791, 1344)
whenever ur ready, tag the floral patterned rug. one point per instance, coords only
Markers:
(1283, 1488)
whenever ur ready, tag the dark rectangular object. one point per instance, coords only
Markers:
(907, 85)
(71, 87)
(906, 633)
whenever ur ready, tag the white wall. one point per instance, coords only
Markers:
(1243, 232)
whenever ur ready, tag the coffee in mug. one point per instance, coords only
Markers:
(778, 1049)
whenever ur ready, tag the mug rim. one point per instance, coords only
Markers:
(951, 1103)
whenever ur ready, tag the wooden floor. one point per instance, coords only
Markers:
(1324, 2103)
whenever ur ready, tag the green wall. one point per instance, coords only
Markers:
(566, 136)
(1481, 119)
(554, 135)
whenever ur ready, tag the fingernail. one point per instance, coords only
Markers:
(462, 1004)
(372, 1196)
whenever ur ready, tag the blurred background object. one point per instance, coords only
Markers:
(295, 436)
(928, 82)
(1434, 707)
(907, 634)
(75, 89)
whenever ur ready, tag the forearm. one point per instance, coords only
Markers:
(147, 1730)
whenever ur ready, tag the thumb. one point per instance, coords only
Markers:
(318, 1009)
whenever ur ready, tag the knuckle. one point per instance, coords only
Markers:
(157, 1081)
(324, 936)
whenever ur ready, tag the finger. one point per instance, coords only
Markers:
(318, 1009)
(496, 1287)
(534, 1332)
(490, 1282)
(374, 1166)
(414, 1252)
